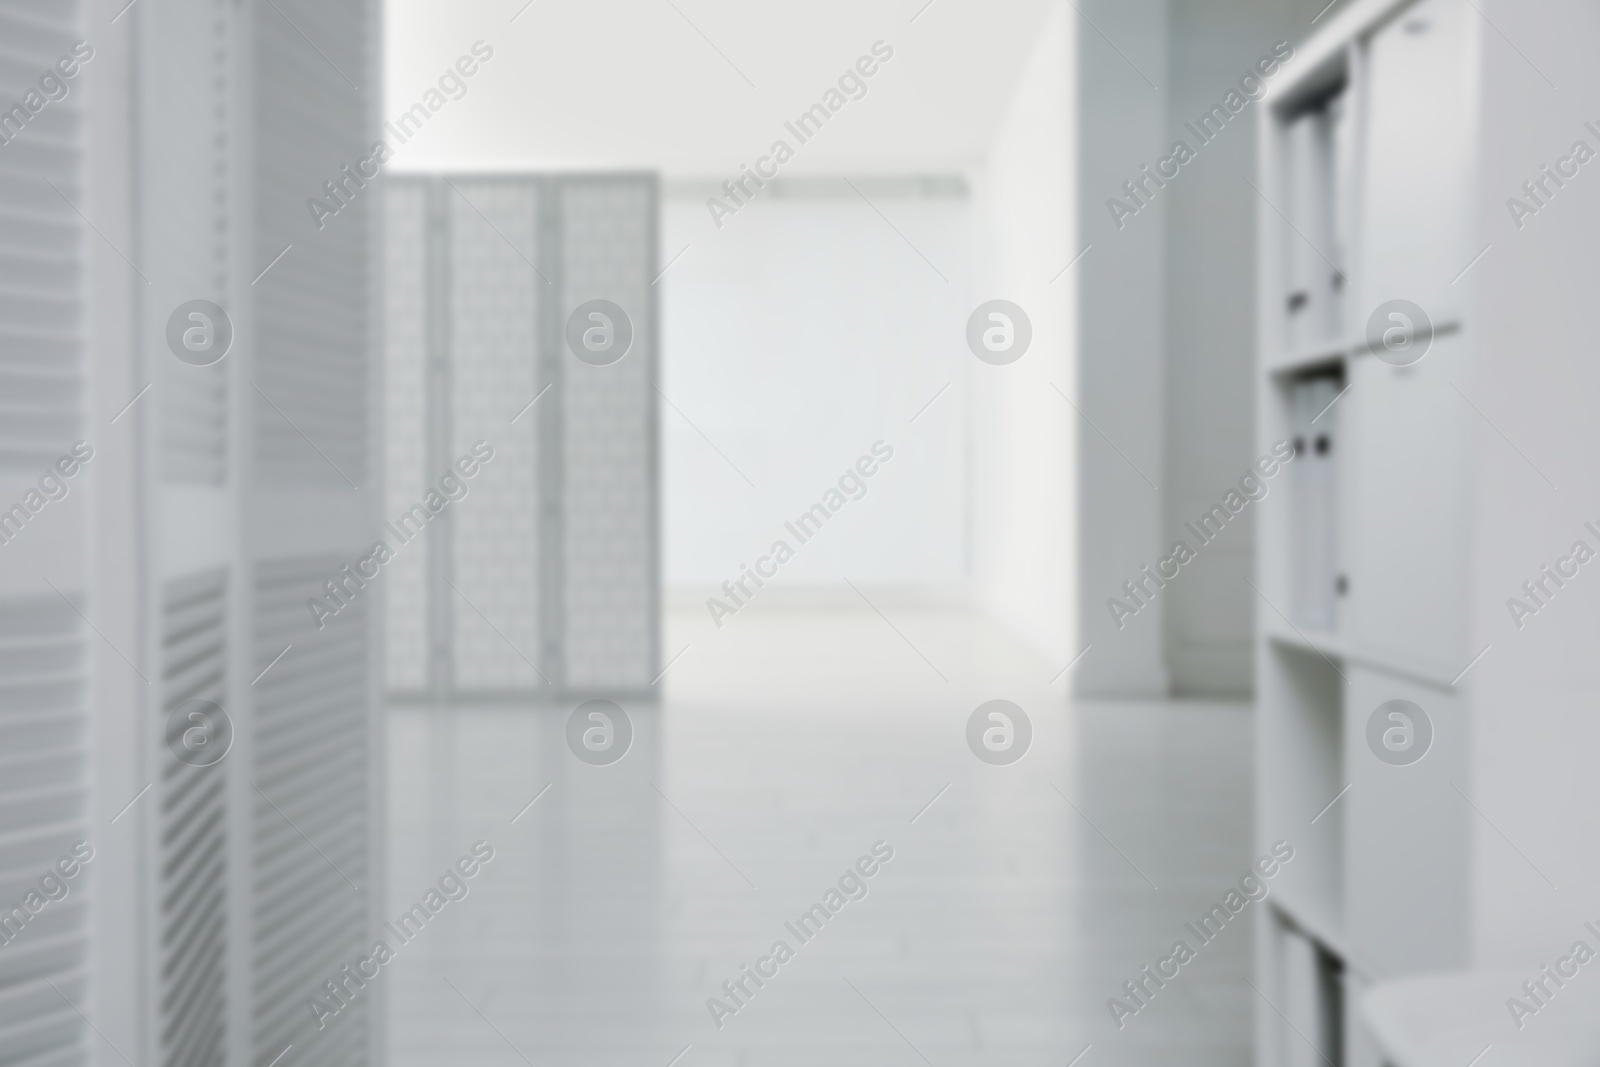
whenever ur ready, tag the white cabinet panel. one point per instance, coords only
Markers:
(1405, 824)
(1410, 478)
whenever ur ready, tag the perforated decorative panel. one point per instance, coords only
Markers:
(609, 441)
(494, 322)
(544, 577)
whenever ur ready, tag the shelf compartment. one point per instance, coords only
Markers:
(1301, 771)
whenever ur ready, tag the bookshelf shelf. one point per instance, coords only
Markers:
(1308, 360)
(1317, 922)
(1342, 650)
(1331, 354)
(1328, 644)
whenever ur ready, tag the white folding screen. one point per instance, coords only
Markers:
(187, 199)
(544, 577)
(239, 885)
(309, 517)
(44, 566)
(189, 966)
(43, 682)
(493, 322)
(185, 243)
(610, 559)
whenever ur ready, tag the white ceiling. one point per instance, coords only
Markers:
(633, 83)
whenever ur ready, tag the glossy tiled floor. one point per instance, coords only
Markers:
(785, 745)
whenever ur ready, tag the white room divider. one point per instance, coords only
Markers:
(186, 237)
(236, 743)
(45, 658)
(309, 516)
(543, 578)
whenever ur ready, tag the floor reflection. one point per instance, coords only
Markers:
(1018, 900)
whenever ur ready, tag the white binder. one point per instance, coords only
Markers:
(1314, 419)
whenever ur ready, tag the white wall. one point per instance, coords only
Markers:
(1121, 341)
(1024, 435)
(1210, 336)
(794, 337)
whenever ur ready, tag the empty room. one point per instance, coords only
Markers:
(671, 533)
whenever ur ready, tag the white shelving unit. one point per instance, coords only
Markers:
(1444, 501)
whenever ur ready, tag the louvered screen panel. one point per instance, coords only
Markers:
(310, 379)
(43, 655)
(184, 145)
(43, 812)
(494, 300)
(312, 821)
(192, 864)
(405, 427)
(42, 241)
(609, 441)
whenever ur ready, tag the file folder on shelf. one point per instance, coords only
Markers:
(1314, 557)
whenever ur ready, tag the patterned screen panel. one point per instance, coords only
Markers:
(494, 322)
(549, 578)
(609, 441)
